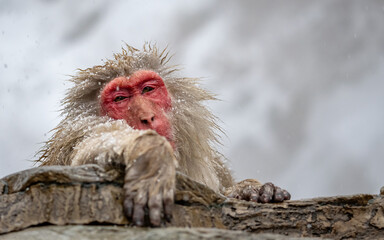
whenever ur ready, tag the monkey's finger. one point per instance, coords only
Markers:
(279, 195)
(255, 196)
(128, 200)
(154, 205)
(138, 209)
(286, 194)
(246, 193)
(128, 207)
(168, 200)
(266, 192)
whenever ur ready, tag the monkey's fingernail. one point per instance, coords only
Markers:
(168, 212)
(154, 215)
(155, 223)
(287, 195)
(265, 199)
(128, 207)
(139, 223)
(279, 195)
(138, 215)
(278, 198)
(254, 197)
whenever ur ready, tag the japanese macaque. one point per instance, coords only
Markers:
(134, 113)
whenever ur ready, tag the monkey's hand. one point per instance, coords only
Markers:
(253, 190)
(149, 181)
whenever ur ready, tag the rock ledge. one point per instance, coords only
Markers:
(87, 195)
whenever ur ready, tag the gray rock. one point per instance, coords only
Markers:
(79, 196)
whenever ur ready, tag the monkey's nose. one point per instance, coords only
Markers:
(147, 119)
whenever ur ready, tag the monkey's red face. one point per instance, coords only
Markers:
(140, 99)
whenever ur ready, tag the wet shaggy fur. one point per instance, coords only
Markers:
(194, 126)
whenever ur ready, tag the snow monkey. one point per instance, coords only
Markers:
(135, 113)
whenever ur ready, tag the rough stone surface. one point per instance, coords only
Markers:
(81, 232)
(89, 195)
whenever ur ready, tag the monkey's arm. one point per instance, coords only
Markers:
(253, 190)
(149, 167)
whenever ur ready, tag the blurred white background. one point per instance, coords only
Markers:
(301, 82)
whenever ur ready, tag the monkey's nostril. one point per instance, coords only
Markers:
(144, 121)
(152, 119)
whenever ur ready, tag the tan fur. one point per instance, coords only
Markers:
(83, 136)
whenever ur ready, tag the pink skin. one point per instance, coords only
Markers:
(141, 99)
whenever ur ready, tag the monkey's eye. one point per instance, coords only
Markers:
(147, 89)
(119, 98)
